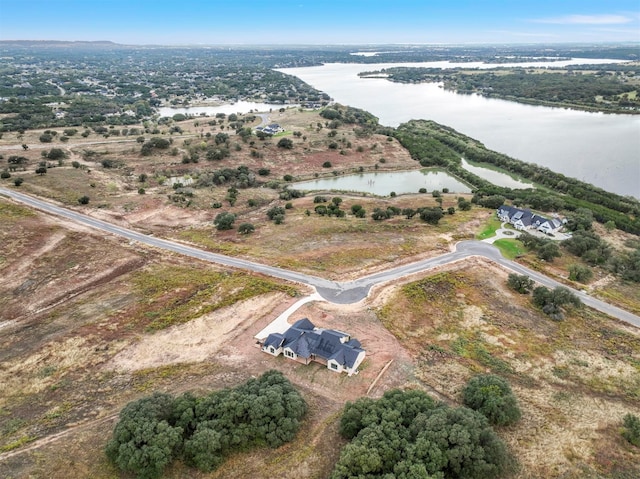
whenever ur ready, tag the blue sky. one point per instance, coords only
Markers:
(180, 22)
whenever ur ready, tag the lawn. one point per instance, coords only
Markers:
(510, 248)
(489, 229)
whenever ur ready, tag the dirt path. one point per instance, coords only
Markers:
(38, 443)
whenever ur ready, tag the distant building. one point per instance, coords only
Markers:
(303, 342)
(271, 129)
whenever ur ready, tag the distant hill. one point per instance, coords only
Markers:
(58, 44)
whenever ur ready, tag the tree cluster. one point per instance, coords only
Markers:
(154, 143)
(276, 214)
(567, 88)
(545, 248)
(240, 177)
(627, 265)
(155, 430)
(588, 246)
(406, 434)
(552, 302)
(349, 115)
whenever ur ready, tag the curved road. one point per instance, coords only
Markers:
(332, 291)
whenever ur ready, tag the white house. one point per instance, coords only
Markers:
(525, 219)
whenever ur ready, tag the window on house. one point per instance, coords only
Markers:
(288, 354)
(334, 366)
(271, 350)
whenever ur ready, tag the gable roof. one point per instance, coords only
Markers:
(305, 340)
(275, 340)
(526, 217)
(303, 324)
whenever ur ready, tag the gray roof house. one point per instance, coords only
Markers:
(271, 129)
(526, 219)
(304, 342)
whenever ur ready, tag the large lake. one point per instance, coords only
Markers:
(601, 149)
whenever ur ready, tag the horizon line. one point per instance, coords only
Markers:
(368, 44)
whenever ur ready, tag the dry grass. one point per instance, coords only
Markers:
(575, 380)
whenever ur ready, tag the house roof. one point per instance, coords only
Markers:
(305, 340)
(304, 324)
(526, 217)
(275, 340)
(303, 345)
(505, 209)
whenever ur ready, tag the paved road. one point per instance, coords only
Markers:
(332, 291)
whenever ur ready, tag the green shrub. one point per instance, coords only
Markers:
(246, 228)
(224, 221)
(492, 396)
(285, 143)
(631, 430)
(520, 283)
(553, 301)
(580, 273)
(275, 211)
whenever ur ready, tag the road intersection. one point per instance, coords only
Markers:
(332, 291)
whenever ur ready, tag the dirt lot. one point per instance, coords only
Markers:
(90, 322)
(77, 344)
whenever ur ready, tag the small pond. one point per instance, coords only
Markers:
(383, 183)
(496, 177)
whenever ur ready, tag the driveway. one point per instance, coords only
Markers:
(503, 233)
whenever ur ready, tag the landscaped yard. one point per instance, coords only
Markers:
(510, 248)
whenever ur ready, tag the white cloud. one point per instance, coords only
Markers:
(586, 20)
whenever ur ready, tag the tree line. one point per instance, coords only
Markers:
(432, 144)
(609, 90)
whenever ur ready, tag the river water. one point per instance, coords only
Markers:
(602, 149)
